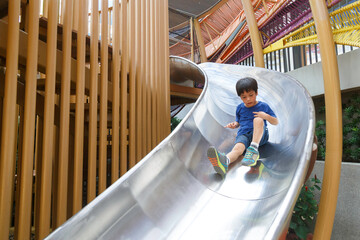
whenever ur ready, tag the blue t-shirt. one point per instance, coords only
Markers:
(245, 116)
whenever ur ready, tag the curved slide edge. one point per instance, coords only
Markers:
(173, 193)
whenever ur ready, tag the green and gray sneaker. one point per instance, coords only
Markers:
(219, 161)
(251, 157)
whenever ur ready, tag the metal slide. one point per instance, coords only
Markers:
(174, 193)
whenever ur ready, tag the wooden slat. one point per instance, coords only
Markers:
(62, 189)
(7, 155)
(157, 77)
(79, 113)
(25, 176)
(152, 76)
(18, 167)
(123, 87)
(93, 115)
(116, 98)
(143, 65)
(132, 83)
(103, 99)
(167, 67)
(46, 170)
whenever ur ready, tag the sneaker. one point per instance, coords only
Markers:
(218, 160)
(251, 157)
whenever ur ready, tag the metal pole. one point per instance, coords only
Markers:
(333, 155)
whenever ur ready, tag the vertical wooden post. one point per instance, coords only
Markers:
(1, 111)
(167, 68)
(254, 33)
(148, 79)
(132, 83)
(76, 11)
(333, 155)
(144, 67)
(161, 64)
(64, 116)
(38, 164)
(152, 75)
(45, 8)
(192, 39)
(25, 178)
(139, 78)
(46, 170)
(18, 146)
(7, 155)
(123, 87)
(115, 92)
(103, 97)
(93, 116)
(157, 76)
(79, 108)
(200, 40)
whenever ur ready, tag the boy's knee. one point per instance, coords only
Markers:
(239, 147)
(258, 121)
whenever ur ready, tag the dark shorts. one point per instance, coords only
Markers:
(247, 138)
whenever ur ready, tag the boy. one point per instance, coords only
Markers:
(251, 117)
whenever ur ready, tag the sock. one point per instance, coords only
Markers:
(227, 160)
(254, 145)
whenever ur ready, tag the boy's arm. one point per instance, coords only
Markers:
(272, 120)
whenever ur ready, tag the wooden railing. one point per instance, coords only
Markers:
(76, 111)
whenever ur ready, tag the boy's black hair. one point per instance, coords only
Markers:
(246, 85)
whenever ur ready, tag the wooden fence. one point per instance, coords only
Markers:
(84, 95)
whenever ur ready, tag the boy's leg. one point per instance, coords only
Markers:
(236, 152)
(219, 161)
(258, 130)
(252, 152)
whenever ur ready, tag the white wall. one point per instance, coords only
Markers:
(349, 71)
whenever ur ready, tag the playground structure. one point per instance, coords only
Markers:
(174, 193)
(113, 105)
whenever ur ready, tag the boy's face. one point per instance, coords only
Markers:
(249, 98)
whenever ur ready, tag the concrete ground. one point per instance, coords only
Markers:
(347, 216)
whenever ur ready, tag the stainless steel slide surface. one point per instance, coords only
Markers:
(174, 193)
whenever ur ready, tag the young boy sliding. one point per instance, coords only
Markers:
(251, 117)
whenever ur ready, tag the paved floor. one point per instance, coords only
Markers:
(347, 216)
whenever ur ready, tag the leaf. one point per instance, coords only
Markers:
(293, 225)
(301, 231)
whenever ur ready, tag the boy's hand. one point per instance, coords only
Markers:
(261, 115)
(232, 125)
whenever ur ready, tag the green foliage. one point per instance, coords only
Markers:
(321, 135)
(305, 209)
(174, 122)
(351, 131)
